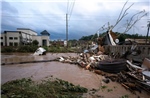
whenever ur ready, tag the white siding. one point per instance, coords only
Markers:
(13, 35)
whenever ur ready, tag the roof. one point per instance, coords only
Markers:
(15, 32)
(12, 31)
(25, 29)
(45, 33)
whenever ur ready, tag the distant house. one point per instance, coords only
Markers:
(23, 36)
(139, 41)
(58, 43)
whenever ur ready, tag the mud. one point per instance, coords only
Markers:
(68, 72)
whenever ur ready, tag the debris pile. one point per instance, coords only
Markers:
(132, 77)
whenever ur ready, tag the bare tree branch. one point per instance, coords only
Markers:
(122, 11)
(132, 22)
(121, 16)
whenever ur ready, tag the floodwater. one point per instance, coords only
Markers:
(42, 70)
(68, 72)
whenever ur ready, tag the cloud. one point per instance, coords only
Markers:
(85, 17)
(8, 8)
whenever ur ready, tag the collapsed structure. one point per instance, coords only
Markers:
(122, 68)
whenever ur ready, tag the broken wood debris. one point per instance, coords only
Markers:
(116, 67)
(123, 71)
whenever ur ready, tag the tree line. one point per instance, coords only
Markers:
(120, 36)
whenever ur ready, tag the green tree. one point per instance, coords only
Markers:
(35, 42)
(122, 38)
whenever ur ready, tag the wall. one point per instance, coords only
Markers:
(3, 39)
(40, 39)
(45, 38)
(23, 36)
(13, 35)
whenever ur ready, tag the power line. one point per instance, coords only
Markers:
(71, 10)
(67, 6)
(33, 16)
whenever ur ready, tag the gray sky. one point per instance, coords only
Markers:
(85, 16)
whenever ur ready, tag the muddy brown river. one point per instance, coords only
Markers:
(69, 72)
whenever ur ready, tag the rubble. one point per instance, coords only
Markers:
(133, 77)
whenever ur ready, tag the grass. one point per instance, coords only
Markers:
(103, 87)
(109, 90)
(124, 96)
(26, 88)
(31, 48)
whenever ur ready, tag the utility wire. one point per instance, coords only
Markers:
(29, 16)
(33, 15)
(67, 6)
(71, 10)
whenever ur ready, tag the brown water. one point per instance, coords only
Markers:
(21, 57)
(68, 72)
(39, 71)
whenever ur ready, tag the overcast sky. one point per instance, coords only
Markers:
(85, 17)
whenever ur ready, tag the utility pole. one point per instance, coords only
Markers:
(67, 29)
(147, 31)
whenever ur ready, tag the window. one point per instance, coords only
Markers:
(10, 44)
(11, 38)
(15, 44)
(44, 42)
(1, 37)
(1, 43)
(15, 38)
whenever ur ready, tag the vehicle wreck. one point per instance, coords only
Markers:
(40, 51)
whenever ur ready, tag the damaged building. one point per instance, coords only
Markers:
(24, 36)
